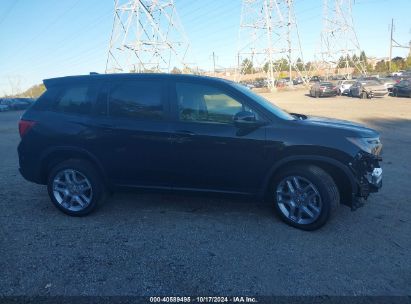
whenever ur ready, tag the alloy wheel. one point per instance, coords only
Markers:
(299, 200)
(72, 190)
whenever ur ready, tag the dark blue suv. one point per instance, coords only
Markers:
(87, 135)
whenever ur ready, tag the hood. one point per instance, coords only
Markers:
(353, 128)
(374, 87)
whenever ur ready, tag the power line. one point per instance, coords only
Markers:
(8, 10)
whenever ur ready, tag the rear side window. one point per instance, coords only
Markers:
(75, 99)
(46, 100)
(136, 99)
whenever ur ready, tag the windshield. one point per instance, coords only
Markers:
(264, 102)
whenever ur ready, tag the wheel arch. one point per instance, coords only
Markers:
(56, 155)
(341, 174)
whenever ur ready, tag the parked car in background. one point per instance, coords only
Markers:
(4, 108)
(388, 82)
(247, 84)
(403, 88)
(368, 89)
(323, 89)
(17, 103)
(297, 81)
(343, 86)
(399, 73)
(315, 79)
(284, 82)
(89, 134)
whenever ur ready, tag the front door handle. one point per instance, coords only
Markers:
(182, 136)
(185, 133)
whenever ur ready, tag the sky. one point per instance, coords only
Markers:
(47, 38)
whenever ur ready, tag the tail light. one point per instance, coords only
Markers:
(322, 88)
(25, 126)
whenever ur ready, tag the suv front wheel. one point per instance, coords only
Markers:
(75, 187)
(305, 197)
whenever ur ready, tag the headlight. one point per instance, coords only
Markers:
(365, 143)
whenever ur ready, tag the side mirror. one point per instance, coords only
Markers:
(245, 119)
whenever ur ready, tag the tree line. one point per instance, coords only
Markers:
(382, 66)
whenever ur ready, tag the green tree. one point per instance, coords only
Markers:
(354, 61)
(342, 62)
(282, 64)
(247, 66)
(300, 64)
(408, 62)
(363, 58)
(381, 66)
(399, 63)
(266, 66)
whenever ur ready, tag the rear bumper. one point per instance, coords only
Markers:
(29, 168)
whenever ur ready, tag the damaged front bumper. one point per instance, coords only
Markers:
(368, 172)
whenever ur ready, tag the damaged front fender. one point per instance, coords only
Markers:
(368, 172)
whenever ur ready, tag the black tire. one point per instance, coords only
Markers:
(339, 93)
(87, 169)
(317, 94)
(394, 93)
(327, 189)
(363, 95)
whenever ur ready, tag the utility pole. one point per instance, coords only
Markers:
(146, 37)
(214, 63)
(391, 36)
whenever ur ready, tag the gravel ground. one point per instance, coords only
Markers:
(173, 244)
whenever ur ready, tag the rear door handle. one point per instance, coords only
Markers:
(185, 133)
(182, 136)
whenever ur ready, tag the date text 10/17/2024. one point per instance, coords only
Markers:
(239, 299)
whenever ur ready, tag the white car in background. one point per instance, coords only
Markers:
(343, 86)
(388, 82)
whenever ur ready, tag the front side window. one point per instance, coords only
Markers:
(136, 99)
(75, 99)
(206, 104)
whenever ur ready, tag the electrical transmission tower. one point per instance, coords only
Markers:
(269, 40)
(146, 37)
(340, 48)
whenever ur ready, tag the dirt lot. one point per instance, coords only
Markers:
(156, 244)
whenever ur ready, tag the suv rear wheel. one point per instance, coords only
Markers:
(75, 187)
(305, 197)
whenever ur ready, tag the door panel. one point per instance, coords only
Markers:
(134, 138)
(208, 151)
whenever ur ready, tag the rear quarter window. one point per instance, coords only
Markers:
(47, 99)
(74, 100)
